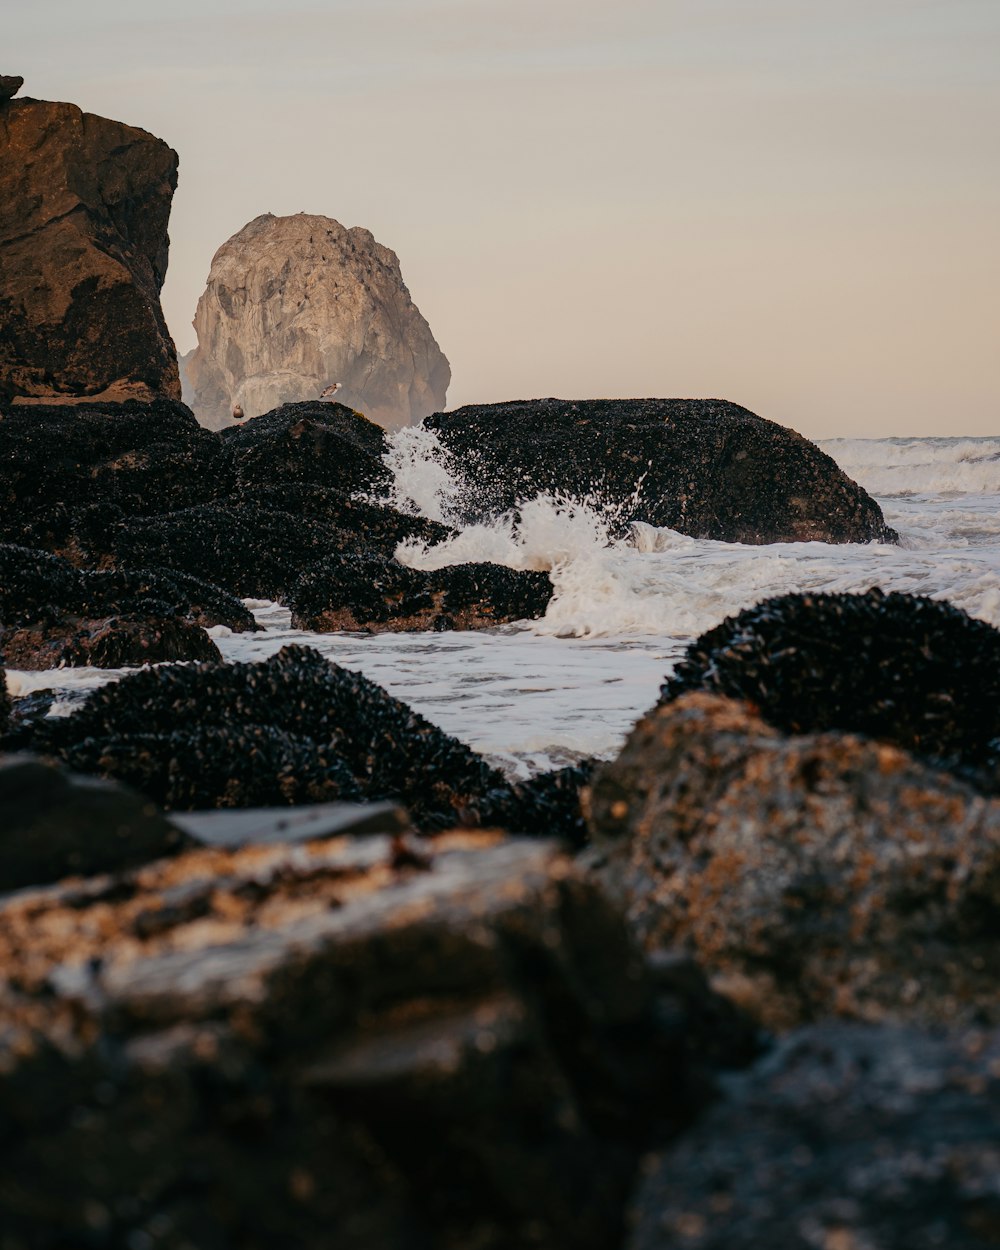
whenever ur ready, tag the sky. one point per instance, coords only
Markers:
(791, 204)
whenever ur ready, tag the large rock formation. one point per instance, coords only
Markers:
(83, 254)
(705, 467)
(295, 303)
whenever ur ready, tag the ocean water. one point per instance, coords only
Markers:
(542, 693)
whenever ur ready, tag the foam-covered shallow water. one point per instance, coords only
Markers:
(545, 692)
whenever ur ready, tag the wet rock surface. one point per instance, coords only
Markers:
(83, 253)
(56, 824)
(901, 668)
(705, 467)
(319, 443)
(135, 457)
(814, 875)
(379, 595)
(846, 1137)
(53, 614)
(109, 642)
(38, 587)
(5, 708)
(328, 1044)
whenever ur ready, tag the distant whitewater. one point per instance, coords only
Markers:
(545, 692)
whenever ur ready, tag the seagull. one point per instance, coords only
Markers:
(330, 391)
(237, 412)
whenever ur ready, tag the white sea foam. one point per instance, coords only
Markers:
(894, 466)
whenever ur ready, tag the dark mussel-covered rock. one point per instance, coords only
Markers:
(705, 467)
(811, 876)
(5, 707)
(36, 586)
(141, 457)
(370, 592)
(150, 727)
(104, 642)
(259, 548)
(53, 614)
(316, 442)
(251, 551)
(901, 668)
(847, 1137)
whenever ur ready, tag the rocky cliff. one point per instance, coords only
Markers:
(296, 303)
(83, 255)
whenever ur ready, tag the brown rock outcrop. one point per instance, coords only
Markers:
(815, 875)
(83, 255)
(348, 1043)
(296, 303)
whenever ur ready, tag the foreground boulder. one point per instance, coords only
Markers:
(295, 303)
(846, 1138)
(705, 467)
(294, 729)
(379, 595)
(56, 824)
(812, 876)
(334, 1043)
(83, 254)
(900, 668)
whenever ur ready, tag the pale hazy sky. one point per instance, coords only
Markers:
(793, 204)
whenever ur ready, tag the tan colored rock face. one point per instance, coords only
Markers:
(294, 304)
(83, 254)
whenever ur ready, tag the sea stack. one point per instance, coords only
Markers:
(292, 302)
(83, 255)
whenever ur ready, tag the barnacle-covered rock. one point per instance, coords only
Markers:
(144, 728)
(900, 668)
(313, 442)
(814, 875)
(107, 642)
(329, 1044)
(705, 467)
(259, 548)
(847, 1137)
(36, 587)
(295, 729)
(369, 592)
(55, 824)
(141, 457)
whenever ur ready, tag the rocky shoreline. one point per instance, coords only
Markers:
(735, 988)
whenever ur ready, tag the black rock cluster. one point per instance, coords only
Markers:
(292, 729)
(705, 467)
(900, 668)
(373, 592)
(37, 587)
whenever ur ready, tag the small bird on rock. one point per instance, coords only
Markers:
(329, 392)
(237, 412)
